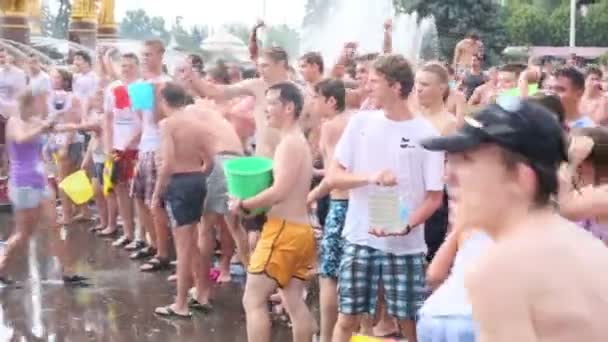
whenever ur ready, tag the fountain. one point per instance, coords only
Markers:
(355, 20)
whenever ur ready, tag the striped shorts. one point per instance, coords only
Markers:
(364, 270)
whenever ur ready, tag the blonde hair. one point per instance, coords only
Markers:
(441, 72)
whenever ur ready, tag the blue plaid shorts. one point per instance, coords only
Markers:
(332, 242)
(364, 269)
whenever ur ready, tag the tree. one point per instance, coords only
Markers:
(285, 37)
(528, 25)
(593, 31)
(455, 18)
(239, 30)
(191, 39)
(60, 26)
(139, 26)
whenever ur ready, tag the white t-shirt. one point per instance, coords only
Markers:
(372, 143)
(41, 81)
(150, 134)
(125, 120)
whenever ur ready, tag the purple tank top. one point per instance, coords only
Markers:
(26, 167)
(599, 230)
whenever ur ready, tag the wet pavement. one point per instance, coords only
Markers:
(117, 307)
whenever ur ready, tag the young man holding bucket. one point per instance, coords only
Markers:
(286, 250)
(373, 262)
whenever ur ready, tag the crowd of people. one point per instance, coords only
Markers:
(500, 174)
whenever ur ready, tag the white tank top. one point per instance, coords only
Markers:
(150, 132)
(59, 103)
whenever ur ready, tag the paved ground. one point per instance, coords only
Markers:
(119, 305)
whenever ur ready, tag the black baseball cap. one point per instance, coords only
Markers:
(520, 126)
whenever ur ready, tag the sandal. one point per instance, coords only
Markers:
(122, 241)
(75, 280)
(143, 253)
(135, 245)
(107, 234)
(196, 305)
(155, 264)
(168, 312)
(97, 228)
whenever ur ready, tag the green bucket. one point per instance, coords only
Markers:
(247, 177)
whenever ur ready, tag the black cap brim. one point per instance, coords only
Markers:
(454, 143)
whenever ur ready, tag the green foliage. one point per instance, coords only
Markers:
(594, 27)
(61, 21)
(139, 26)
(528, 25)
(284, 36)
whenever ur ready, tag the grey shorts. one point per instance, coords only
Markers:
(217, 189)
(26, 197)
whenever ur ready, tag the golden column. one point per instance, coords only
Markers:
(34, 12)
(107, 29)
(13, 22)
(83, 23)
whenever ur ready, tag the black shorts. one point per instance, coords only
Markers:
(436, 228)
(185, 197)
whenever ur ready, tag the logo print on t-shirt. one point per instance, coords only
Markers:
(405, 143)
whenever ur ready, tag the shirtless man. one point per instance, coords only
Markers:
(226, 146)
(273, 69)
(86, 80)
(311, 69)
(569, 85)
(464, 51)
(512, 155)
(594, 102)
(330, 103)
(286, 250)
(185, 147)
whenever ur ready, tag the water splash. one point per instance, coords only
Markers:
(355, 20)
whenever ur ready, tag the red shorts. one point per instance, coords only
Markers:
(124, 166)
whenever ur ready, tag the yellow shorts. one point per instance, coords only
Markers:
(285, 250)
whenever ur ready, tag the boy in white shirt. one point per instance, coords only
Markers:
(381, 149)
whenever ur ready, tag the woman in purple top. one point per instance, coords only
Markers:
(583, 195)
(27, 187)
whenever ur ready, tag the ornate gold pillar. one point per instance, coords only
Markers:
(14, 21)
(83, 23)
(34, 11)
(107, 27)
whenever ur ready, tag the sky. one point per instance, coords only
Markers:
(218, 12)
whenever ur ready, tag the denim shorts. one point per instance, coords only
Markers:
(27, 197)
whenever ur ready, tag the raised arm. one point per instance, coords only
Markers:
(253, 41)
(226, 92)
(387, 46)
(17, 132)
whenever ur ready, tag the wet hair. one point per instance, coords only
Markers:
(174, 95)
(197, 63)
(66, 79)
(552, 103)
(440, 71)
(396, 69)
(473, 35)
(577, 79)
(157, 44)
(329, 88)
(132, 56)
(546, 176)
(85, 56)
(219, 72)
(368, 57)
(599, 152)
(277, 54)
(250, 73)
(314, 58)
(515, 69)
(593, 70)
(289, 93)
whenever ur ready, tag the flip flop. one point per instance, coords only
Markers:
(97, 228)
(168, 312)
(75, 280)
(143, 253)
(122, 241)
(135, 245)
(155, 264)
(107, 235)
(196, 305)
